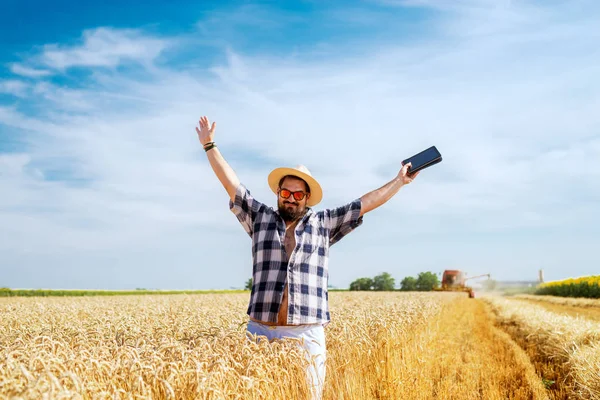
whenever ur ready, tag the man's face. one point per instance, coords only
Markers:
(290, 208)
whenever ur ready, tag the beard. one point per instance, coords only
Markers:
(292, 213)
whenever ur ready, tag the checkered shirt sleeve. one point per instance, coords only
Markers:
(246, 208)
(342, 220)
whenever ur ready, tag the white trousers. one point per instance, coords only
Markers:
(313, 340)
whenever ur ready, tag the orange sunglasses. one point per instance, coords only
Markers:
(285, 193)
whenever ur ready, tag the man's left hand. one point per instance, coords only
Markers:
(405, 176)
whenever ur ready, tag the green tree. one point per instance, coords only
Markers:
(248, 284)
(362, 284)
(408, 284)
(427, 281)
(384, 282)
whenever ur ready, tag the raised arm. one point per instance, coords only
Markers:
(377, 197)
(224, 172)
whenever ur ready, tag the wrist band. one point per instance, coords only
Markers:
(209, 146)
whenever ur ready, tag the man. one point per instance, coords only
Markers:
(290, 248)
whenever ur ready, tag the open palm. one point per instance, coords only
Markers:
(206, 132)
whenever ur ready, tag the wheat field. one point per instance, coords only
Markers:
(563, 343)
(381, 345)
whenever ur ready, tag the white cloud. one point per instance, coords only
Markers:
(14, 87)
(104, 47)
(114, 175)
(22, 70)
(100, 47)
(453, 5)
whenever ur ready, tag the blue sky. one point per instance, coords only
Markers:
(104, 183)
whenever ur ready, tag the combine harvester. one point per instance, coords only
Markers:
(454, 281)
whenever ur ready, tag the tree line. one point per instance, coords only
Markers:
(425, 281)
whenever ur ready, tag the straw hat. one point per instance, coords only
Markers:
(316, 193)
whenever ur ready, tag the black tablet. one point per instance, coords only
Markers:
(424, 159)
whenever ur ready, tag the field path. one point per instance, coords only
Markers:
(466, 357)
(590, 313)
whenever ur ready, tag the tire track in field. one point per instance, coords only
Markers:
(592, 314)
(465, 356)
(565, 349)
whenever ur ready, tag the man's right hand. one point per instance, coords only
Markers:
(206, 134)
(223, 170)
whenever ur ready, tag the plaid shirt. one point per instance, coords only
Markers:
(307, 272)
